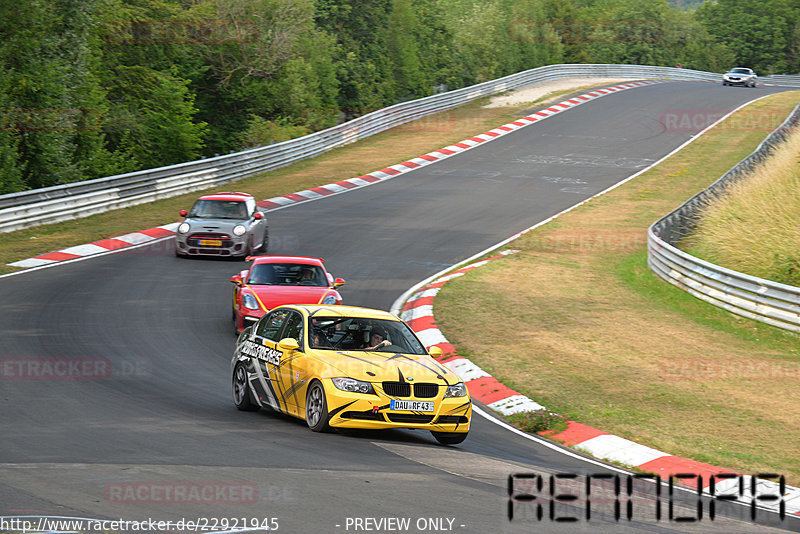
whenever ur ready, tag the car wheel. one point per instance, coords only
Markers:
(265, 242)
(449, 438)
(317, 408)
(241, 390)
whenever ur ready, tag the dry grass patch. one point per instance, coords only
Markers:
(376, 152)
(588, 331)
(755, 226)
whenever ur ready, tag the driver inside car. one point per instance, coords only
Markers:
(377, 340)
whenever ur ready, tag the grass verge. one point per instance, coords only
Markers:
(588, 331)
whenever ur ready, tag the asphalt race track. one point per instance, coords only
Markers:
(153, 415)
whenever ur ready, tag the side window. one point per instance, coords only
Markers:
(251, 206)
(293, 328)
(270, 324)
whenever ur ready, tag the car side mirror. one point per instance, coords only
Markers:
(237, 279)
(183, 213)
(258, 216)
(435, 352)
(288, 344)
(339, 282)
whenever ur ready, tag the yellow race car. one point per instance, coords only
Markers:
(348, 367)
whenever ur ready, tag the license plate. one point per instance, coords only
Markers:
(412, 406)
(210, 243)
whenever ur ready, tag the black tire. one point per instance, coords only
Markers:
(265, 241)
(449, 438)
(317, 408)
(241, 390)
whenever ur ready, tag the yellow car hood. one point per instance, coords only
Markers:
(376, 366)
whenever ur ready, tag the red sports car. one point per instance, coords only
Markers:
(277, 280)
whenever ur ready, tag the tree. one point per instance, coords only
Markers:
(151, 117)
(761, 33)
(48, 59)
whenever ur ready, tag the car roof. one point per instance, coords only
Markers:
(286, 259)
(227, 196)
(343, 311)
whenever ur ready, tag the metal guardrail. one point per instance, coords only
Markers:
(52, 204)
(80, 199)
(763, 300)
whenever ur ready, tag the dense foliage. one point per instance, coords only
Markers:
(90, 88)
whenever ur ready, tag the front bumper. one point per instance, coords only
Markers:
(358, 410)
(737, 81)
(198, 245)
(248, 317)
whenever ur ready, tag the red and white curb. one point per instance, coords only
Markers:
(417, 311)
(275, 203)
(99, 247)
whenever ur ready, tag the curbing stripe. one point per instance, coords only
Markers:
(84, 250)
(32, 262)
(136, 238)
(515, 404)
(620, 450)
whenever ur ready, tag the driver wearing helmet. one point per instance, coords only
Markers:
(377, 339)
(306, 277)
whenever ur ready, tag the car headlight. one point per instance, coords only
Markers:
(239, 230)
(249, 301)
(184, 228)
(352, 385)
(330, 299)
(456, 390)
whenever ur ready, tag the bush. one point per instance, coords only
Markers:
(538, 421)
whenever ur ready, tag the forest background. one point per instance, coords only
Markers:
(93, 88)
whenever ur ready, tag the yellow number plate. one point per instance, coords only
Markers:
(210, 243)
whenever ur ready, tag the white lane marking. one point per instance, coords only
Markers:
(432, 292)
(515, 404)
(32, 262)
(431, 337)
(617, 449)
(467, 370)
(134, 238)
(283, 201)
(417, 313)
(84, 250)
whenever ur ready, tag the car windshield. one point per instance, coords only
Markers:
(356, 333)
(219, 209)
(287, 274)
(740, 71)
